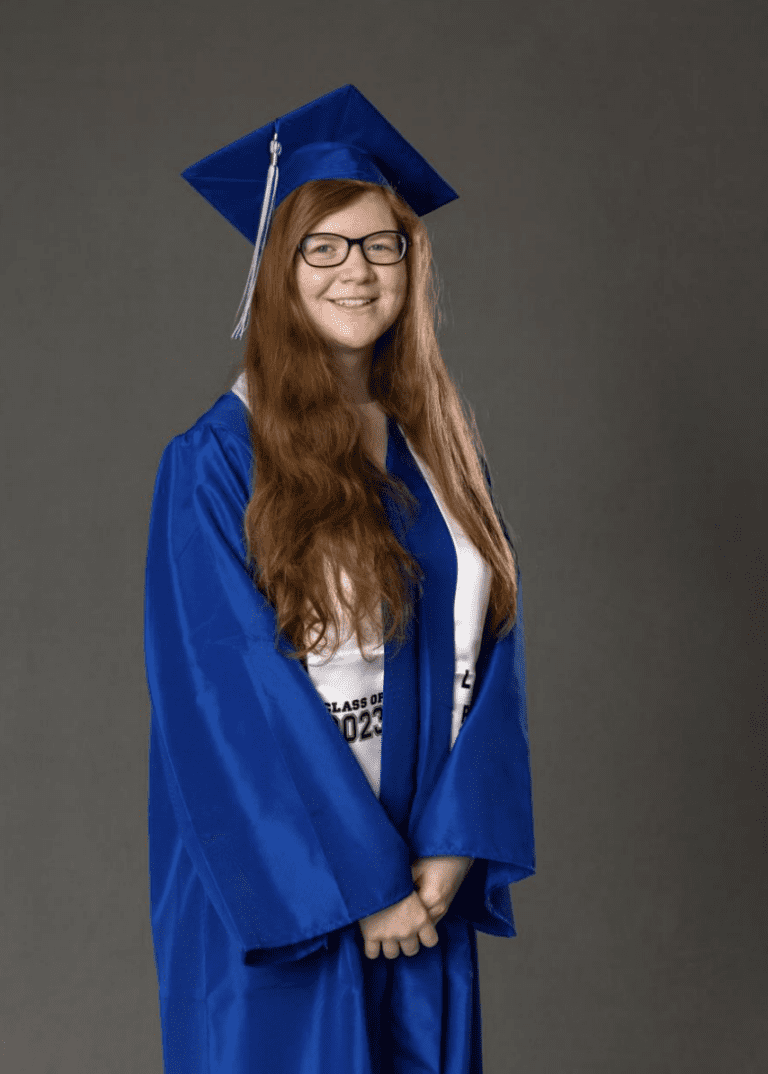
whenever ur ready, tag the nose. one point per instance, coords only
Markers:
(355, 266)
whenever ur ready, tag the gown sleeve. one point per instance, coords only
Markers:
(274, 812)
(481, 805)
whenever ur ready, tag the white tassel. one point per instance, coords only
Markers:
(267, 207)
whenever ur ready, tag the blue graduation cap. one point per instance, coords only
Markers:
(337, 136)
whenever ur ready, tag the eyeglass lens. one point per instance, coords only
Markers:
(383, 248)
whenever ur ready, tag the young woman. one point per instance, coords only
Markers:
(319, 810)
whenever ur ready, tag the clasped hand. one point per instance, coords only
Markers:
(401, 926)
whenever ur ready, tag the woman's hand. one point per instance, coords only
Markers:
(397, 927)
(437, 879)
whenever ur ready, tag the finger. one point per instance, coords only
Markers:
(372, 949)
(410, 947)
(428, 936)
(391, 948)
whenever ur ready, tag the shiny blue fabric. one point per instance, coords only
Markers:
(326, 160)
(266, 841)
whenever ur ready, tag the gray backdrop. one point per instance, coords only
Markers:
(603, 273)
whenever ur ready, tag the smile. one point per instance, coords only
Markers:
(352, 302)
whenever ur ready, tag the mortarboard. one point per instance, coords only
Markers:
(337, 136)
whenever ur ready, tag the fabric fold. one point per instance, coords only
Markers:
(276, 816)
(268, 843)
(481, 804)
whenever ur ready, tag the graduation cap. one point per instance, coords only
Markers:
(337, 136)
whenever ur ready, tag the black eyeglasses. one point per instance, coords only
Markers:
(380, 248)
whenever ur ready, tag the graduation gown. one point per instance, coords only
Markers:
(268, 842)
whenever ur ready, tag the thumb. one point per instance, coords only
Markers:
(431, 897)
(433, 907)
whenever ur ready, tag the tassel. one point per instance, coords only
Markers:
(267, 208)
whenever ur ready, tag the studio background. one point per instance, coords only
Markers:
(604, 279)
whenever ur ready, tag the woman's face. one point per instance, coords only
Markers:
(353, 328)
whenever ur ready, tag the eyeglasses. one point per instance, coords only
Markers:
(381, 248)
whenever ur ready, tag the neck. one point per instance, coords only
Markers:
(354, 370)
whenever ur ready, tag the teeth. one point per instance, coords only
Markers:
(352, 301)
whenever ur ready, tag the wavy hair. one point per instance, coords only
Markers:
(316, 511)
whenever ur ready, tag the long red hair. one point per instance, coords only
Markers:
(316, 509)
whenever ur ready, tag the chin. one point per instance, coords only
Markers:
(353, 343)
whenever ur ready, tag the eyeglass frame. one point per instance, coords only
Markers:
(355, 242)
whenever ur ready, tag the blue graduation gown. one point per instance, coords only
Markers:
(266, 842)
